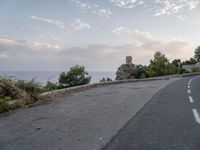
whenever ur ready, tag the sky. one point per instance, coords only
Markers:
(98, 34)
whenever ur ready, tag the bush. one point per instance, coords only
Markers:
(141, 72)
(143, 76)
(32, 88)
(196, 69)
(183, 71)
(25, 92)
(74, 77)
(8, 89)
(51, 86)
(4, 104)
(161, 66)
(105, 80)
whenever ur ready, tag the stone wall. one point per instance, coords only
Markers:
(56, 93)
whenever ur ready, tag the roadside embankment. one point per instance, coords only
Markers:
(56, 93)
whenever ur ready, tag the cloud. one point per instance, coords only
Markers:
(93, 56)
(9, 46)
(76, 25)
(38, 45)
(142, 48)
(127, 3)
(3, 55)
(56, 23)
(182, 17)
(169, 7)
(27, 55)
(173, 48)
(94, 9)
(145, 44)
(41, 33)
(142, 51)
(79, 25)
(7, 41)
(104, 12)
(161, 7)
(122, 31)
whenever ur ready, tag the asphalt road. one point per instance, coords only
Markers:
(85, 120)
(170, 121)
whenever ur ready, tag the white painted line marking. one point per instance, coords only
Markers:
(191, 99)
(189, 91)
(196, 115)
(188, 86)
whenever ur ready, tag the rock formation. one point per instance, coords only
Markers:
(126, 71)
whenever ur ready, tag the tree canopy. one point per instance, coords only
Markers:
(160, 66)
(157, 65)
(197, 53)
(75, 76)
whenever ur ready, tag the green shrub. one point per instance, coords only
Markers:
(105, 80)
(196, 69)
(8, 89)
(51, 86)
(32, 88)
(74, 77)
(141, 72)
(143, 76)
(161, 66)
(4, 104)
(25, 92)
(183, 71)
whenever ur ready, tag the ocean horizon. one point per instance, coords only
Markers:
(52, 76)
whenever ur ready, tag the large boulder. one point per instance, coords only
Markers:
(126, 71)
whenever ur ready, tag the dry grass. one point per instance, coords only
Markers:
(17, 93)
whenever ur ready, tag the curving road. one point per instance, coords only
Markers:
(170, 121)
(153, 115)
(85, 120)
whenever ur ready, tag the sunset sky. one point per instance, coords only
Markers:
(57, 34)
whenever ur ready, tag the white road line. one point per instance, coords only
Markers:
(191, 99)
(189, 91)
(196, 115)
(188, 86)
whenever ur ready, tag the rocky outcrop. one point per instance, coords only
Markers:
(126, 71)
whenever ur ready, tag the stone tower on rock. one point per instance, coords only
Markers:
(126, 71)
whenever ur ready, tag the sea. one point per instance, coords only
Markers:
(52, 76)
